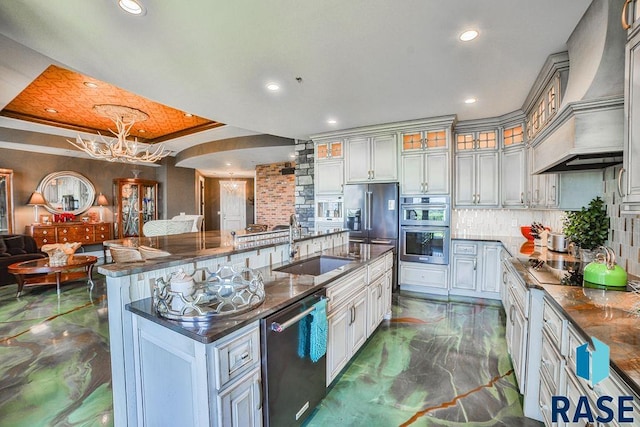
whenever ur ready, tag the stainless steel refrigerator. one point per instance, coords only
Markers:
(371, 213)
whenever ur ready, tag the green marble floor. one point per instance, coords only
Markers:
(436, 363)
(54, 357)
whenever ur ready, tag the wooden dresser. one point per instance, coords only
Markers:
(85, 233)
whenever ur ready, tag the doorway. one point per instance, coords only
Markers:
(233, 215)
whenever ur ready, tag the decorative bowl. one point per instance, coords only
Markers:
(526, 232)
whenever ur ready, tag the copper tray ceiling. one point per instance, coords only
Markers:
(72, 97)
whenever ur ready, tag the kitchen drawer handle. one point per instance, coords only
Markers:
(426, 187)
(620, 193)
(258, 385)
(522, 198)
(504, 276)
(625, 23)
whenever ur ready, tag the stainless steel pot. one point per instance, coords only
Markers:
(557, 242)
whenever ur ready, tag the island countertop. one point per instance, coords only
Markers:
(281, 290)
(188, 247)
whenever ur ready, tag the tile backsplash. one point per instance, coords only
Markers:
(501, 222)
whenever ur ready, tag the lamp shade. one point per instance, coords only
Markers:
(36, 199)
(102, 200)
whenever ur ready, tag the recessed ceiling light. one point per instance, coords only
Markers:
(332, 121)
(292, 155)
(468, 35)
(273, 86)
(90, 84)
(133, 7)
(470, 101)
(228, 164)
(51, 110)
(141, 130)
(188, 115)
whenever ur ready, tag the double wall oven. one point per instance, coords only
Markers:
(424, 229)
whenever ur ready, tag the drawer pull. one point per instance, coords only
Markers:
(45, 232)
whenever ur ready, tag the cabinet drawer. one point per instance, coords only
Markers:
(236, 356)
(388, 261)
(551, 364)
(554, 325)
(464, 248)
(520, 293)
(45, 232)
(375, 269)
(339, 292)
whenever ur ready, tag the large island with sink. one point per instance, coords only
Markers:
(203, 351)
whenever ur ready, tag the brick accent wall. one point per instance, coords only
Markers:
(304, 184)
(275, 195)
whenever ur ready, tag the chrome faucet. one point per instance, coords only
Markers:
(294, 231)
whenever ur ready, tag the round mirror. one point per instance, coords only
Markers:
(67, 191)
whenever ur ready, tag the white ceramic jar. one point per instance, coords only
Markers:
(183, 283)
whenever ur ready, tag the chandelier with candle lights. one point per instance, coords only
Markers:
(119, 148)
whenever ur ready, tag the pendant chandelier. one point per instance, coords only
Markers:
(119, 149)
(231, 186)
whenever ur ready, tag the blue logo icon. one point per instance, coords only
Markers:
(593, 365)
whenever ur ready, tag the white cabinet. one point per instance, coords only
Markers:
(425, 173)
(424, 278)
(347, 332)
(425, 162)
(376, 308)
(329, 177)
(476, 269)
(514, 177)
(476, 179)
(629, 178)
(372, 158)
(517, 340)
(180, 381)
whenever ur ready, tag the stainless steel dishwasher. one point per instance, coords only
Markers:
(293, 384)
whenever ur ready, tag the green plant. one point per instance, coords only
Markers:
(589, 227)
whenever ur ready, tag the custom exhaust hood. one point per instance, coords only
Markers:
(587, 132)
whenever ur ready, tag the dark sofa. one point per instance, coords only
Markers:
(16, 248)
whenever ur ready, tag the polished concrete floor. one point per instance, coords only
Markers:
(436, 363)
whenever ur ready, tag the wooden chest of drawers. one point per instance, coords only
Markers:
(85, 233)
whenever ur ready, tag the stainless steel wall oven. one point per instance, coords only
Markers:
(424, 229)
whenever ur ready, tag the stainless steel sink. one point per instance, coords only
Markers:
(315, 266)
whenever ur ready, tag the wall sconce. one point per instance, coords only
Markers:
(36, 200)
(102, 202)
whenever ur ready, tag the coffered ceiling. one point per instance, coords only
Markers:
(358, 62)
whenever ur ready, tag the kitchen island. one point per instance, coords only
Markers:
(132, 284)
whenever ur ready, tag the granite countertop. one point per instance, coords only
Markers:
(612, 316)
(187, 247)
(281, 289)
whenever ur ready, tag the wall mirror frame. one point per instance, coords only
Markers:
(6, 201)
(67, 191)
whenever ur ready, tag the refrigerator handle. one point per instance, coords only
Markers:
(369, 211)
(365, 212)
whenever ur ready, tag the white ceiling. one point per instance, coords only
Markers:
(361, 62)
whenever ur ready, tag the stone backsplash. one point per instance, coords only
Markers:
(501, 222)
(624, 230)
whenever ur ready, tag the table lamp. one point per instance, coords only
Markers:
(102, 202)
(36, 200)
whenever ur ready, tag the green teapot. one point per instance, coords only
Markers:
(604, 271)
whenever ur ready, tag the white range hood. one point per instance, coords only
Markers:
(587, 132)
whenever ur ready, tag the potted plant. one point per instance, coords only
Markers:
(588, 228)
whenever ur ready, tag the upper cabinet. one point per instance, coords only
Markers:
(425, 162)
(513, 175)
(372, 158)
(629, 175)
(329, 166)
(476, 169)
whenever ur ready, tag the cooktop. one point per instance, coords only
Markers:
(561, 272)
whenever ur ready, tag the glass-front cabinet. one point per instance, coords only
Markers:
(6, 201)
(136, 203)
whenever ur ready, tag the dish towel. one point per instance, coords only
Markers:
(303, 337)
(319, 326)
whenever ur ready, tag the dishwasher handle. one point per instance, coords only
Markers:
(280, 327)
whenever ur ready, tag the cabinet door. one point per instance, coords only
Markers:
(464, 272)
(491, 278)
(329, 177)
(518, 345)
(373, 293)
(386, 296)
(412, 174)
(437, 173)
(465, 179)
(487, 179)
(384, 158)
(338, 351)
(358, 330)
(631, 172)
(514, 177)
(358, 155)
(240, 405)
(551, 190)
